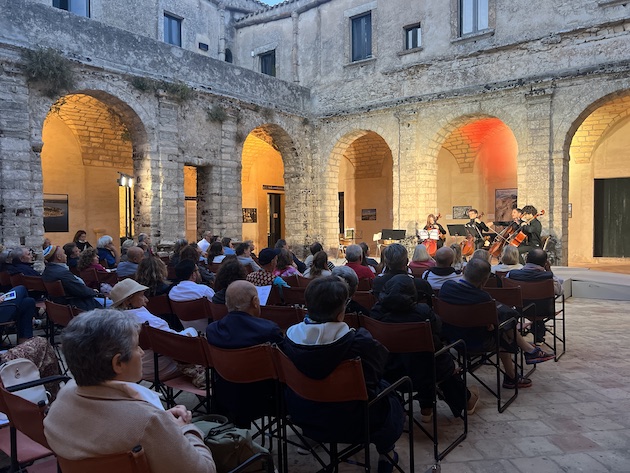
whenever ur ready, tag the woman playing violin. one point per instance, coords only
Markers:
(433, 225)
(532, 228)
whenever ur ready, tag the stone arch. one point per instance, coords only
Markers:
(596, 148)
(110, 138)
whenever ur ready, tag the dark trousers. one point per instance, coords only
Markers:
(21, 309)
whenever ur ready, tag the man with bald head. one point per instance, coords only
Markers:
(128, 268)
(242, 327)
(442, 271)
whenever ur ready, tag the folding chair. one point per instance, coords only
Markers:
(17, 280)
(365, 298)
(296, 280)
(417, 337)
(344, 385)
(195, 313)
(192, 350)
(133, 461)
(284, 316)
(160, 306)
(365, 284)
(474, 320)
(217, 311)
(55, 291)
(59, 316)
(293, 295)
(253, 373)
(541, 294)
(351, 319)
(5, 281)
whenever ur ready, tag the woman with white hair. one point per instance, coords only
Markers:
(103, 411)
(107, 251)
(421, 261)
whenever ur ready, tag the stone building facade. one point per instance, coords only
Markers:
(399, 107)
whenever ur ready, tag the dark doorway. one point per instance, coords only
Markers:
(612, 218)
(342, 218)
(275, 216)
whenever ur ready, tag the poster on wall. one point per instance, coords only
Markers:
(460, 212)
(368, 214)
(250, 215)
(504, 202)
(56, 213)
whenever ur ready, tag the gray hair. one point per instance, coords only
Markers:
(396, 257)
(354, 253)
(348, 275)
(17, 253)
(104, 241)
(510, 255)
(91, 340)
(420, 254)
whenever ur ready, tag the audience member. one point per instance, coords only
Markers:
(315, 248)
(508, 260)
(193, 253)
(226, 242)
(72, 252)
(244, 255)
(318, 345)
(284, 265)
(124, 248)
(22, 262)
(107, 251)
(89, 260)
(371, 262)
(421, 260)
(282, 244)
(351, 279)
(267, 259)
(242, 327)
(215, 252)
(205, 242)
(152, 272)
(229, 271)
(443, 270)
(177, 248)
(102, 352)
(395, 257)
(80, 239)
(318, 267)
(354, 254)
(20, 309)
(188, 290)
(458, 260)
(130, 267)
(144, 242)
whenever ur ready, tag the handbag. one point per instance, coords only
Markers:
(20, 371)
(230, 446)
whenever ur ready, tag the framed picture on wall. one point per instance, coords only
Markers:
(250, 215)
(460, 212)
(368, 214)
(504, 201)
(56, 213)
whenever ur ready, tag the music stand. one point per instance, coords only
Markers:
(458, 230)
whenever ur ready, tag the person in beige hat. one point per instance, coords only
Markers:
(128, 295)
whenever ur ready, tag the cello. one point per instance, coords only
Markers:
(520, 237)
(431, 243)
(468, 245)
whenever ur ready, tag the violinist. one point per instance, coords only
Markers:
(433, 225)
(476, 227)
(532, 228)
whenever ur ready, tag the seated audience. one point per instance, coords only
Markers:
(316, 248)
(144, 242)
(193, 253)
(468, 290)
(242, 327)
(103, 411)
(267, 259)
(228, 248)
(188, 290)
(205, 242)
(284, 265)
(124, 248)
(80, 239)
(231, 270)
(152, 272)
(398, 303)
(348, 275)
(318, 267)
(244, 255)
(20, 309)
(73, 253)
(107, 251)
(354, 255)
(215, 253)
(177, 247)
(282, 244)
(395, 257)
(443, 270)
(89, 260)
(371, 262)
(508, 261)
(77, 293)
(421, 260)
(22, 262)
(318, 345)
(128, 268)
(458, 261)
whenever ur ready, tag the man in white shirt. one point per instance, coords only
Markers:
(205, 242)
(188, 290)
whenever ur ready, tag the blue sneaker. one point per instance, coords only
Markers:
(538, 356)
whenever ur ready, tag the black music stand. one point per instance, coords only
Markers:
(458, 230)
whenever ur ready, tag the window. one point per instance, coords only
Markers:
(268, 63)
(80, 7)
(473, 16)
(172, 30)
(362, 37)
(412, 37)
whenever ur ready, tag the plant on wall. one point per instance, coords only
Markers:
(48, 68)
(176, 90)
(216, 114)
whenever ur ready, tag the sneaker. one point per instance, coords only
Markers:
(426, 415)
(538, 356)
(473, 402)
(509, 383)
(387, 465)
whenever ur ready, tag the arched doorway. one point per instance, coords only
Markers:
(476, 168)
(365, 186)
(263, 191)
(87, 167)
(599, 181)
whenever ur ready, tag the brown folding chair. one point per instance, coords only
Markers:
(55, 289)
(133, 461)
(549, 309)
(365, 284)
(501, 274)
(17, 280)
(345, 384)
(217, 311)
(59, 316)
(214, 267)
(34, 284)
(5, 281)
(417, 337)
(351, 319)
(159, 305)
(191, 350)
(196, 313)
(284, 316)
(293, 295)
(492, 282)
(480, 316)
(365, 298)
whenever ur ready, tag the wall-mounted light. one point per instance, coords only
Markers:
(125, 180)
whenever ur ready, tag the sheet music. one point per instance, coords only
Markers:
(263, 293)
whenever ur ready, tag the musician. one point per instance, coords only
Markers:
(532, 228)
(476, 227)
(434, 230)
(515, 223)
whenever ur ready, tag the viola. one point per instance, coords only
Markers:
(520, 237)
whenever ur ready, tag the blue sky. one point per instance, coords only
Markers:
(271, 2)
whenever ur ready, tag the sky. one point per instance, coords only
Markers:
(271, 2)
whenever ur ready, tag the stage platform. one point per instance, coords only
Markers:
(595, 284)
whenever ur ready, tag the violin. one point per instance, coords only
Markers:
(520, 237)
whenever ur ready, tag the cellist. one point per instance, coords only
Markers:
(476, 227)
(532, 228)
(432, 224)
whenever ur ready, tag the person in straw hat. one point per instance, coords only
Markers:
(128, 296)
